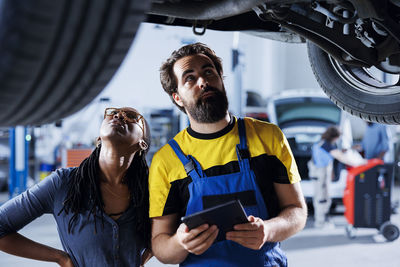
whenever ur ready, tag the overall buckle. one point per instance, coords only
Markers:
(189, 166)
(243, 153)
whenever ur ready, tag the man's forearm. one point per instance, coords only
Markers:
(290, 220)
(21, 246)
(167, 249)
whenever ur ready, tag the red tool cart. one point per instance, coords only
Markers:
(367, 199)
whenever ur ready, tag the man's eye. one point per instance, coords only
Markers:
(210, 72)
(189, 78)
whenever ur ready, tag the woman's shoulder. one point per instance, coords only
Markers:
(65, 173)
(60, 177)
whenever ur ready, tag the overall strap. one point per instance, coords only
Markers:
(192, 167)
(242, 150)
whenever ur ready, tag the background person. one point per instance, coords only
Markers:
(100, 207)
(232, 158)
(323, 154)
(375, 142)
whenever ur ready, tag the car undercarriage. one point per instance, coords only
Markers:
(56, 57)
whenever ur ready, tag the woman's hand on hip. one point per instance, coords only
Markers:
(65, 261)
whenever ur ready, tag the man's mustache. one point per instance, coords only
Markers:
(208, 89)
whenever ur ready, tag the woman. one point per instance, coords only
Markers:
(101, 207)
(323, 154)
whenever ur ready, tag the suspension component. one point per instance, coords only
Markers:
(335, 16)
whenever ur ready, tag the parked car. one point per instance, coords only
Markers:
(256, 106)
(303, 115)
(56, 56)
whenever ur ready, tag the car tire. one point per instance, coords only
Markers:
(57, 56)
(351, 93)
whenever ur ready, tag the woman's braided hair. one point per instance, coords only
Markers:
(84, 191)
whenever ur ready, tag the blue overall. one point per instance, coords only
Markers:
(235, 185)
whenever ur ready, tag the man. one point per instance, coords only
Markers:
(375, 142)
(216, 159)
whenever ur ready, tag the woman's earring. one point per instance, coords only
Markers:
(143, 145)
(98, 142)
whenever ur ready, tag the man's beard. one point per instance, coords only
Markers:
(211, 109)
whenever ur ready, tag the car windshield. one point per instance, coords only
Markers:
(306, 109)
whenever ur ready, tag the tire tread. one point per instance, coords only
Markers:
(326, 76)
(46, 85)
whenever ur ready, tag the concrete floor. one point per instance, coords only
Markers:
(328, 247)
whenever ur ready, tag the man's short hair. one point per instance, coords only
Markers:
(167, 75)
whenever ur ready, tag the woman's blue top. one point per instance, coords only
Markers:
(115, 244)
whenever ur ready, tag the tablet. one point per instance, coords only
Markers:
(224, 216)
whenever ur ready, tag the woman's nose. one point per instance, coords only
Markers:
(118, 115)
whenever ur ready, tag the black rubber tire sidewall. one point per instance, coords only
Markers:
(57, 56)
(376, 108)
(389, 231)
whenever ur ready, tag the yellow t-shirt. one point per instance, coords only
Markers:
(271, 160)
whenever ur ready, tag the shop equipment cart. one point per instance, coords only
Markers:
(367, 199)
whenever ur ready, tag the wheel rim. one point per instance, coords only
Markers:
(367, 80)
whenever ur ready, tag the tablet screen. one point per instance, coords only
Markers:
(224, 216)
